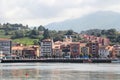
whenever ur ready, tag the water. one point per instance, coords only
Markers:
(59, 71)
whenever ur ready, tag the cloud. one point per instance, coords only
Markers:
(36, 12)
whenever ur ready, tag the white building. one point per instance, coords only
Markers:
(5, 47)
(46, 48)
(103, 52)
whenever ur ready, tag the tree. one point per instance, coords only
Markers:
(46, 34)
(41, 28)
(69, 32)
(103, 32)
(57, 38)
(35, 42)
(118, 39)
(18, 34)
(34, 32)
(112, 35)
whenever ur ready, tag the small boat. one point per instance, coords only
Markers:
(115, 61)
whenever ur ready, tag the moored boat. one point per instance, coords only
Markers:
(115, 61)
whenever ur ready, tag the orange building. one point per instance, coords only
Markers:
(24, 51)
(57, 51)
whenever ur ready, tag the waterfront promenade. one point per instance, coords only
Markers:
(60, 60)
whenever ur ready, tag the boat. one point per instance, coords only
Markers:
(115, 61)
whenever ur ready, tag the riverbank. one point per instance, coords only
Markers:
(57, 60)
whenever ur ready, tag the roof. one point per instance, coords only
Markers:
(5, 39)
(83, 44)
(22, 48)
(46, 40)
(58, 42)
(17, 48)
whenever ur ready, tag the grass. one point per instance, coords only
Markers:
(25, 40)
(4, 36)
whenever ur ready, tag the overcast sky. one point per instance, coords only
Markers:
(42, 12)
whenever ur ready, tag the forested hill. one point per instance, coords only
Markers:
(26, 35)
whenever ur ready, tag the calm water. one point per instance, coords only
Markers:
(59, 71)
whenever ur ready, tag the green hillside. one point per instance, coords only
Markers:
(25, 40)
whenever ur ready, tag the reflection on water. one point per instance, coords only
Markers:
(59, 71)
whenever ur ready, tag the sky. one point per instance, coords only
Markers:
(43, 12)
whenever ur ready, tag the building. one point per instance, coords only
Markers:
(5, 46)
(28, 52)
(116, 51)
(57, 51)
(46, 48)
(18, 51)
(85, 51)
(75, 49)
(37, 50)
(24, 51)
(93, 48)
(103, 52)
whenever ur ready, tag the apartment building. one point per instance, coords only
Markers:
(46, 48)
(57, 51)
(93, 48)
(5, 46)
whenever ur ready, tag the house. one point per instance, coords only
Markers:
(46, 48)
